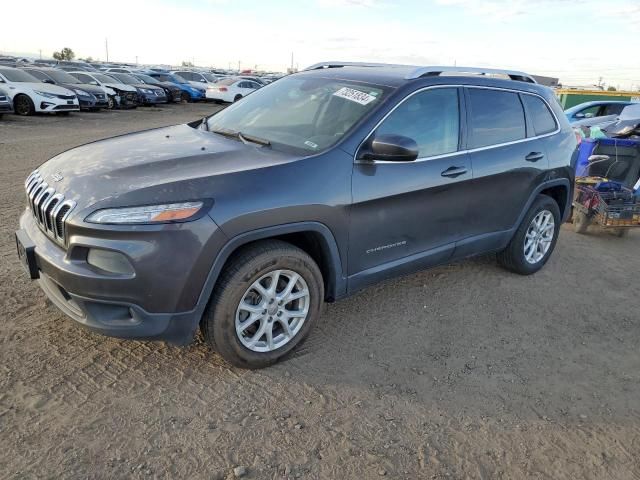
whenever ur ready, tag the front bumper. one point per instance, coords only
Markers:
(45, 104)
(152, 98)
(87, 103)
(124, 306)
(6, 108)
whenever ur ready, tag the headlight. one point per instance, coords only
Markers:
(82, 92)
(146, 90)
(147, 214)
(46, 94)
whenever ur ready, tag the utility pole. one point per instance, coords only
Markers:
(238, 66)
(136, 60)
(292, 62)
(106, 47)
(40, 54)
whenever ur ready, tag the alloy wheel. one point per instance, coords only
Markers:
(272, 311)
(539, 237)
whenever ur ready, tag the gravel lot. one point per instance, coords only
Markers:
(465, 371)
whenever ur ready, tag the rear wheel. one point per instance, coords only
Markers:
(620, 232)
(535, 239)
(237, 97)
(23, 105)
(267, 300)
(185, 97)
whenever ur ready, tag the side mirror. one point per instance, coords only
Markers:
(390, 148)
(588, 115)
(579, 115)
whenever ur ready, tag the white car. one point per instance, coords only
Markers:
(231, 89)
(30, 95)
(125, 95)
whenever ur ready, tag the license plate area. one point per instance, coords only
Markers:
(27, 254)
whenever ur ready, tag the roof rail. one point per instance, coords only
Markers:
(318, 66)
(418, 72)
(434, 71)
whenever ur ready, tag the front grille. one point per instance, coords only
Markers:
(66, 97)
(50, 210)
(99, 96)
(159, 93)
(66, 107)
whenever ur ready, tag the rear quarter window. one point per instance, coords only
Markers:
(541, 118)
(496, 117)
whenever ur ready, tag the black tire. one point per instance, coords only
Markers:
(185, 97)
(513, 257)
(111, 102)
(247, 266)
(237, 97)
(23, 105)
(619, 232)
(581, 222)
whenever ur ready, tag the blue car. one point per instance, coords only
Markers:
(189, 92)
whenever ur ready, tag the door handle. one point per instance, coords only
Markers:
(453, 172)
(534, 156)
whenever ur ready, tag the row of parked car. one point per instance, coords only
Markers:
(62, 87)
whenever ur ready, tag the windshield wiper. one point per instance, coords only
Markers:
(243, 137)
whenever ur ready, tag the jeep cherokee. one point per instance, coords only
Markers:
(317, 185)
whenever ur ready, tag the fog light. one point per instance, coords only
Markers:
(109, 261)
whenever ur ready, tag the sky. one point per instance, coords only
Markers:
(576, 40)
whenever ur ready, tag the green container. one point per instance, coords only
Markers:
(571, 98)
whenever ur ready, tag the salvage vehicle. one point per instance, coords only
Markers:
(314, 187)
(592, 113)
(29, 95)
(89, 96)
(197, 79)
(147, 94)
(232, 89)
(125, 96)
(5, 103)
(189, 92)
(173, 93)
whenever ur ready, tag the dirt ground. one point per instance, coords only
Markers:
(465, 371)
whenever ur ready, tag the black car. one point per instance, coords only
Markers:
(89, 96)
(306, 191)
(173, 93)
(5, 103)
(147, 94)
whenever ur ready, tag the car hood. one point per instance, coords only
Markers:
(168, 164)
(46, 87)
(120, 86)
(147, 86)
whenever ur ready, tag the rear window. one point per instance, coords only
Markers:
(496, 117)
(539, 114)
(228, 81)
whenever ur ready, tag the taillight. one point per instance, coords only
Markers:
(223, 89)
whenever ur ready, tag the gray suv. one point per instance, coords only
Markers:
(314, 187)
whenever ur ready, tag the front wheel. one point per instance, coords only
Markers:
(267, 300)
(535, 239)
(185, 97)
(23, 105)
(237, 97)
(111, 103)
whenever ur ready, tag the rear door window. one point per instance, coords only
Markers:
(539, 114)
(431, 118)
(496, 117)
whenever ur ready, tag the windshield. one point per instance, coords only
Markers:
(146, 78)
(15, 75)
(209, 77)
(62, 77)
(308, 114)
(179, 79)
(125, 78)
(103, 78)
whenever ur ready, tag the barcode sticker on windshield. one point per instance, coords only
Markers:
(355, 95)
